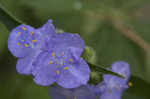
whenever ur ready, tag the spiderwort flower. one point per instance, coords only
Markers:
(114, 86)
(82, 92)
(25, 42)
(49, 56)
(60, 62)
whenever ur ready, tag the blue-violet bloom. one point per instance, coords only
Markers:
(25, 42)
(114, 86)
(60, 62)
(49, 56)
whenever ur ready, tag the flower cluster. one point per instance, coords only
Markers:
(111, 88)
(50, 57)
(114, 86)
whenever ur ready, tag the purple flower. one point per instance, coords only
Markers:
(82, 92)
(25, 43)
(50, 57)
(60, 62)
(114, 86)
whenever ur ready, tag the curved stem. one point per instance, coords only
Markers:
(130, 34)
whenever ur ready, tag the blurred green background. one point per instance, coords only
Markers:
(95, 21)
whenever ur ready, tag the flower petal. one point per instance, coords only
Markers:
(78, 74)
(47, 29)
(57, 92)
(98, 89)
(43, 72)
(111, 94)
(67, 41)
(121, 68)
(24, 65)
(84, 92)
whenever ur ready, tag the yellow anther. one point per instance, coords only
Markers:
(62, 54)
(50, 62)
(66, 68)
(22, 40)
(118, 88)
(31, 33)
(102, 87)
(53, 54)
(26, 45)
(74, 97)
(34, 41)
(58, 72)
(18, 44)
(24, 28)
(19, 33)
(130, 84)
(70, 59)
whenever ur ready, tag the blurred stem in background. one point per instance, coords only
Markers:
(117, 22)
(130, 34)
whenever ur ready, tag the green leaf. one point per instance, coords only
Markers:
(9, 20)
(22, 87)
(3, 39)
(139, 90)
(96, 68)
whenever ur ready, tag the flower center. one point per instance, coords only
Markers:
(60, 61)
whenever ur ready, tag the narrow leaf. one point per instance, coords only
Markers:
(7, 19)
(103, 70)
